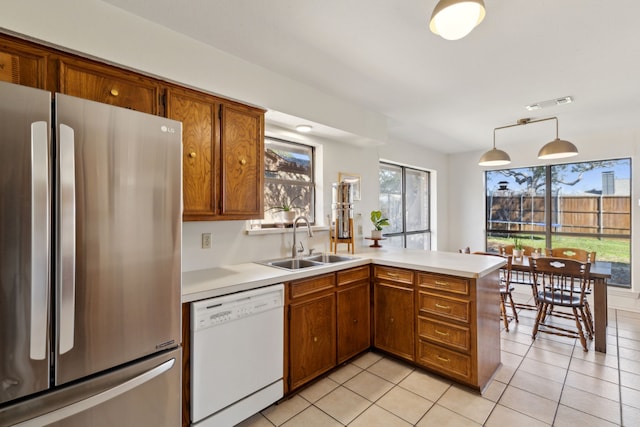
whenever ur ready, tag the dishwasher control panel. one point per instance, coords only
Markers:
(229, 308)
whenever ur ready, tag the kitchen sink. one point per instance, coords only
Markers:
(329, 258)
(307, 262)
(293, 264)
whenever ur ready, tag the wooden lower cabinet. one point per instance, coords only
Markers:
(353, 312)
(458, 327)
(328, 322)
(394, 316)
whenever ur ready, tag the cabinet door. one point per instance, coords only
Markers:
(197, 112)
(242, 162)
(394, 316)
(312, 339)
(22, 64)
(109, 85)
(354, 333)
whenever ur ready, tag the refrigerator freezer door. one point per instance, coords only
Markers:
(146, 393)
(118, 234)
(24, 240)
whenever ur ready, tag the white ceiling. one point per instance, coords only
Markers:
(447, 95)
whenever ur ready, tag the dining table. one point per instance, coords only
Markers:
(599, 273)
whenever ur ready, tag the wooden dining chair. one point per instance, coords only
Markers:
(561, 282)
(505, 289)
(580, 255)
(571, 253)
(521, 277)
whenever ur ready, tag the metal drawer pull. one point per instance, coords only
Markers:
(443, 284)
(446, 334)
(393, 274)
(443, 359)
(444, 307)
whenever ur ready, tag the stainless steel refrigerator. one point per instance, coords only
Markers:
(90, 263)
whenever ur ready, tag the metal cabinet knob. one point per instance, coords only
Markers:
(315, 339)
(192, 154)
(115, 92)
(243, 162)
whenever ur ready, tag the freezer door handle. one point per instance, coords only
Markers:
(93, 401)
(39, 240)
(67, 237)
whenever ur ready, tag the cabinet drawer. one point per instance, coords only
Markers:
(353, 275)
(451, 308)
(444, 360)
(396, 274)
(447, 334)
(300, 288)
(451, 284)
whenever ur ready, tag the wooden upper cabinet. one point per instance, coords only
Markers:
(108, 85)
(198, 114)
(242, 162)
(223, 160)
(22, 64)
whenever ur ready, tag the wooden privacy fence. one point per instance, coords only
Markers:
(586, 214)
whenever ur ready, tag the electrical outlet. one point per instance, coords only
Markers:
(206, 240)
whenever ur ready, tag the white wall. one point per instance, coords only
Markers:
(466, 179)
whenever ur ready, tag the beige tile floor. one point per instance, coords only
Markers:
(547, 382)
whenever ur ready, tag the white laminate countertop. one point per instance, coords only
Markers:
(212, 282)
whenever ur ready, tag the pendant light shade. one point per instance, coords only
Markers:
(557, 149)
(454, 19)
(494, 157)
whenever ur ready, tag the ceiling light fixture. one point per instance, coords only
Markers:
(549, 103)
(454, 19)
(494, 157)
(304, 128)
(556, 149)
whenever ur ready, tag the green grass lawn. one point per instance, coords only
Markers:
(612, 250)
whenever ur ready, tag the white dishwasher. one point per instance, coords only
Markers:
(236, 355)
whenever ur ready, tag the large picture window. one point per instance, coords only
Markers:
(289, 181)
(583, 205)
(404, 199)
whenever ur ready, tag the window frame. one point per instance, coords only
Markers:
(312, 184)
(404, 234)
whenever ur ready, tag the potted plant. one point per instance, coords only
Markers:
(378, 222)
(517, 248)
(287, 208)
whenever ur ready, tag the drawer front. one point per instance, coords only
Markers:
(451, 284)
(395, 274)
(444, 360)
(300, 288)
(444, 333)
(439, 305)
(353, 275)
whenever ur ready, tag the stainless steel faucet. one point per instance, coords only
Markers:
(294, 249)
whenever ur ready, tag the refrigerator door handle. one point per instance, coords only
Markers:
(39, 240)
(67, 238)
(88, 403)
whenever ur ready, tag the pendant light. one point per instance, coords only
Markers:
(494, 157)
(556, 149)
(454, 19)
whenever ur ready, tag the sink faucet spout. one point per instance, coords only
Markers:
(294, 248)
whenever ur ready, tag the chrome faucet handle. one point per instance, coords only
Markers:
(301, 250)
(311, 251)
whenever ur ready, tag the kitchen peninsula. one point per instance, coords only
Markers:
(436, 310)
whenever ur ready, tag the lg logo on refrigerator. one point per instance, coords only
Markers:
(167, 129)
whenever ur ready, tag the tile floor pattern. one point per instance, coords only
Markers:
(547, 382)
